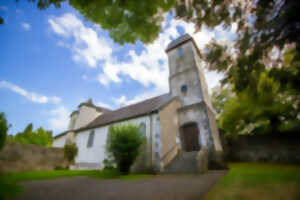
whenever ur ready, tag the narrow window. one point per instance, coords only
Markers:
(184, 88)
(91, 139)
(180, 52)
(142, 129)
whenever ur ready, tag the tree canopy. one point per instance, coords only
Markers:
(38, 137)
(262, 27)
(268, 105)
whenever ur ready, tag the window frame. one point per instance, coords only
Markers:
(91, 138)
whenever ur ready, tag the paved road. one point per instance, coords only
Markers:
(164, 187)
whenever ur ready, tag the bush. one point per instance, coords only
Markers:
(3, 129)
(70, 151)
(124, 142)
(109, 164)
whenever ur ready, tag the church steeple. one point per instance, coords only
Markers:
(187, 81)
(186, 76)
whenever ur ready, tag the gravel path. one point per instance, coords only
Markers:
(179, 187)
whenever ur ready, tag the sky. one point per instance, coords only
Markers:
(52, 60)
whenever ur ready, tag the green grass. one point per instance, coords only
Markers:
(9, 187)
(258, 181)
(42, 175)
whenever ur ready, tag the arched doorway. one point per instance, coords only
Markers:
(190, 137)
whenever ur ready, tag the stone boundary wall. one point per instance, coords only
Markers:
(27, 157)
(283, 149)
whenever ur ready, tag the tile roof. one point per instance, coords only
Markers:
(131, 111)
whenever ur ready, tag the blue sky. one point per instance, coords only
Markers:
(52, 60)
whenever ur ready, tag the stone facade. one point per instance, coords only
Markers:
(196, 115)
(169, 131)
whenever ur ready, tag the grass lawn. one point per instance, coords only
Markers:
(9, 188)
(253, 181)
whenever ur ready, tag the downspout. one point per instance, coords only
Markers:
(151, 129)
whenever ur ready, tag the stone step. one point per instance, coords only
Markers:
(184, 162)
(85, 166)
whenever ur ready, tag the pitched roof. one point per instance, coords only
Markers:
(131, 111)
(182, 39)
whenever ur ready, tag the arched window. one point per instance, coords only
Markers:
(142, 129)
(91, 139)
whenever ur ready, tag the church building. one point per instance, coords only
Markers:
(180, 126)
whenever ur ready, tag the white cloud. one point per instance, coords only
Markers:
(123, 101)
(87, 46)
(120, 101)
(34, 97)
(149, 67)
(26, 26)
(59, 118)
(103, 105)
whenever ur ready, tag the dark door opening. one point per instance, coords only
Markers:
(190, 137)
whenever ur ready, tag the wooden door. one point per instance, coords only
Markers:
(191, 137)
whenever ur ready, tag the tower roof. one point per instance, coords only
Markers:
(90, 103)
(182, 39)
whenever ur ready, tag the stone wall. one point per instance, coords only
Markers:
(26, 157)
(169, 131)
(264, 148)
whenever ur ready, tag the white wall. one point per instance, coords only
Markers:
(59, 142)
(96, 153)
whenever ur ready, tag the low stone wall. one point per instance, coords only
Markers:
(26, 157)
(264, 148)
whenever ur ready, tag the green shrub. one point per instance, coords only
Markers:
(109, 164)
(70, 151)
(123, 144)
(3, 129)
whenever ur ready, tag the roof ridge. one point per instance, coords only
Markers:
(153, 108)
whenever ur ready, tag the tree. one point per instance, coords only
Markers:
(262, 26)
(38, 137)
(267, 109)
(4, 126)
(220, 96)
(123, 144)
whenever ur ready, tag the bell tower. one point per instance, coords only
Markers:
(198, 128)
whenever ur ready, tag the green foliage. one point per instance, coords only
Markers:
(38, 137)
(3, 129)
(220, 97)
(8, 190)
(70, 151)
(261, 108)
(126, 20)
(123, 144)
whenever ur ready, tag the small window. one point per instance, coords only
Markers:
(184, 88)
(91, 139)
(180, 52)
(142, 129)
